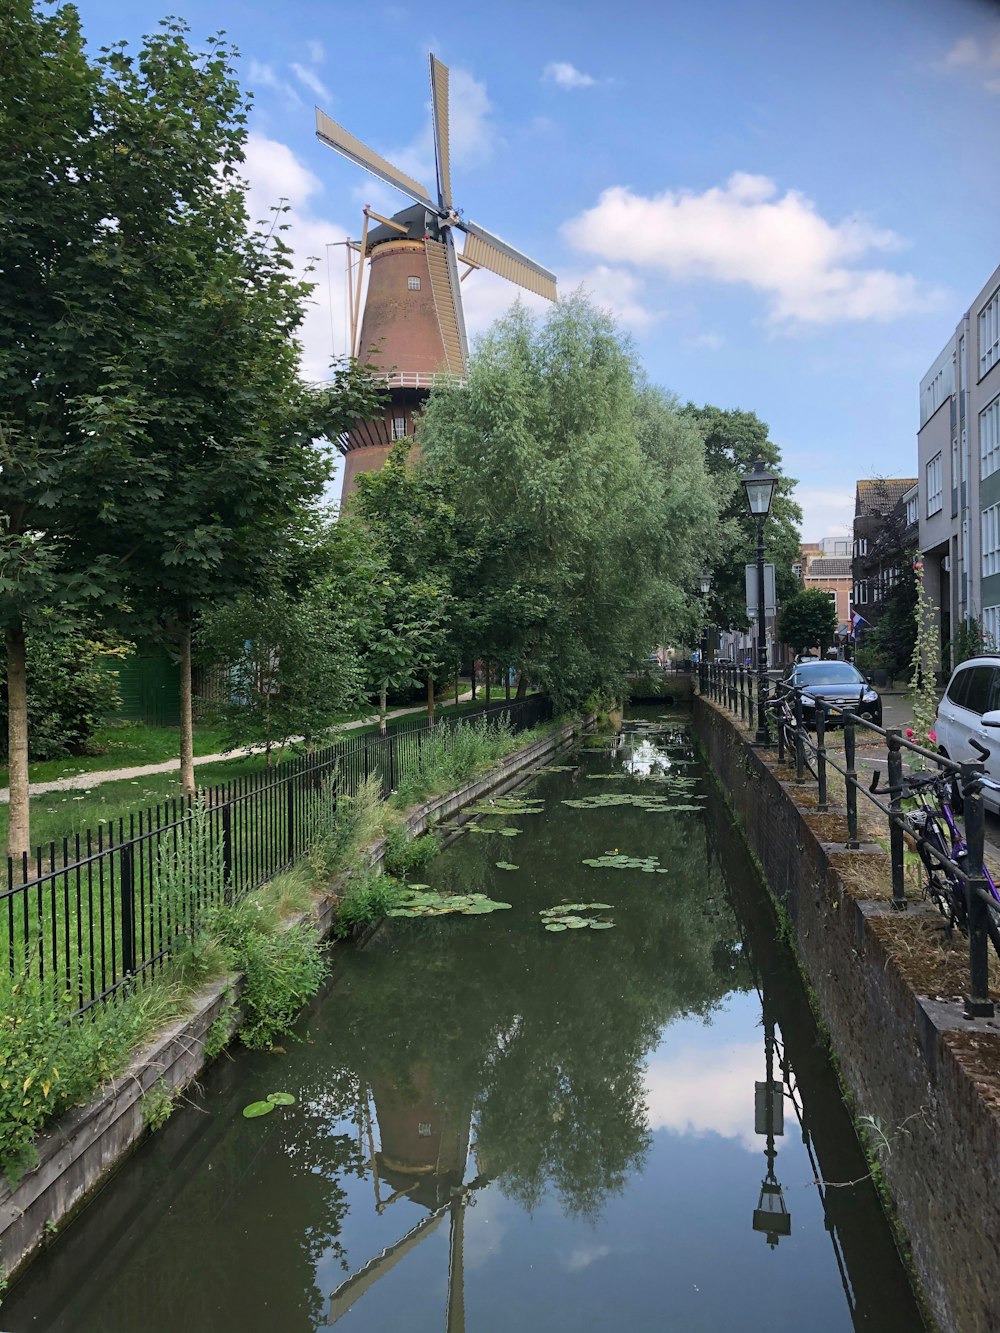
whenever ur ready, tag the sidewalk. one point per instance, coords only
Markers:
(84, 781)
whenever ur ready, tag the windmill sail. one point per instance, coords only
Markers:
(483, 250)
(439, 99)
(447, 303)
(345, 142)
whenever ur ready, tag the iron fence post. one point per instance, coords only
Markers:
(896, 818)
(227, 849)
(851, 779)
(291, 819)
(780, 725)
(977, 1003)
(821, 803)
(127, 898)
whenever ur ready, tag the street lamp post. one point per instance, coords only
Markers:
(705, 587)
(758, 485)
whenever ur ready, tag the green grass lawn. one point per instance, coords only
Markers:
(122, 745)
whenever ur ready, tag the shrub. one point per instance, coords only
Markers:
(404, 854)
(367, 898)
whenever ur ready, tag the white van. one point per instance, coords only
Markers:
(970, 711)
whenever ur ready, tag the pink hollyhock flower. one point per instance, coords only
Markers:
(932, 735)
(909, 733)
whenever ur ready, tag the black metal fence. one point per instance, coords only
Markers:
(86, 915)
(800, 737)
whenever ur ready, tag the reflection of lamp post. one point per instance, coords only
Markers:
(759, 487)
(705, 587)
(770, 1216)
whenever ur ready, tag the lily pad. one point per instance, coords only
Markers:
(554, 925)
(255, 1109)
(506, 865)
(281, 1099)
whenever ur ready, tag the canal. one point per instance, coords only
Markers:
(499, 1126)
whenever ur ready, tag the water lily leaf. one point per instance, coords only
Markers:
(506, 865)
(601, 925)
(554, 925)
(255, 1109)
(281, 1099)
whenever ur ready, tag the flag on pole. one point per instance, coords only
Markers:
(856, 623)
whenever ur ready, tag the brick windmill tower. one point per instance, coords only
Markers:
(412, 326)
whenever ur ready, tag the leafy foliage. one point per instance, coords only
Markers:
(808, 620)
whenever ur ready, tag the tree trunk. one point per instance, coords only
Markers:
(430, 701)
(18, 827)
(457, 690)
(489, 677)
(506, 684)
(187, 720)
(382, 706)
(522, 684)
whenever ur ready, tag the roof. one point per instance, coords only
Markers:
(829, 567)
(880, 495)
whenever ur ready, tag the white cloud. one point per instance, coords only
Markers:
(316, 53)
(979, 56)
(809, 269)
(710, 341)
(585, 1255)
(616, 290)
(264, 76)
(310, 80)
(274, 172)
(472, 134)
(566, 76)
(689, 1096)
(485, 297)
(827, 511)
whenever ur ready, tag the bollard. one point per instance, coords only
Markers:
(821, 757)
(896, 819)
(852, 784)
(977, 1003)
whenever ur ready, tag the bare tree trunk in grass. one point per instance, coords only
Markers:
(506, 684)
(489, 677)
(18, 828)
(187, 721)
(430, 701)
(522, 684)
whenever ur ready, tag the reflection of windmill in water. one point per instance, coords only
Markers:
(412, 326)
(422, 1156)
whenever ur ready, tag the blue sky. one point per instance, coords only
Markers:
(788, 206)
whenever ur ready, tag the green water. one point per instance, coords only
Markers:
(503, 1128)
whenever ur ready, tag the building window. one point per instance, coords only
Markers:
(934, 492)
(989, 333)
(911, 510)
(398, 428)
(991, 627)
(934, 395)
(989, 438)
(991, 540)
(413, 284)
(861, 546)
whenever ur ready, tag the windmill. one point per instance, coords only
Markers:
(412, 326)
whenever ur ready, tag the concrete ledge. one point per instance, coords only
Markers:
(903, 1056)
(79, 1153)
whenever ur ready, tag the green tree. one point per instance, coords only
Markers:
(554, 458)
(808, 620)
(734, 440)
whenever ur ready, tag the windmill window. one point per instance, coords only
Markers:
(413, 284)
(398, 428)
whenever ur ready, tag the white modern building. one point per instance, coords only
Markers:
(958, 446)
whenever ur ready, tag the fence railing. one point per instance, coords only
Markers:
(799, 734)
(86, 915)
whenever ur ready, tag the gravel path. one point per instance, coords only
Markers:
(84, 781)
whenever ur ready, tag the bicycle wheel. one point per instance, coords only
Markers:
(943, 886)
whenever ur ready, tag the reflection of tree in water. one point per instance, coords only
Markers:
(544, 1037)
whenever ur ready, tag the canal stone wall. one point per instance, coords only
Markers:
(905, 1059)
(88, 1144)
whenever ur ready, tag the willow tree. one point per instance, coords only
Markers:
(551, 454)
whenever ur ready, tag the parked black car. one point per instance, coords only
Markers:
(836, 684)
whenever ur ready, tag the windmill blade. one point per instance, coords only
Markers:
(442, 153)
(484, 250)
(335, 136)
(447, 303)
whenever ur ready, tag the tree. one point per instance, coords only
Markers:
(808, 620)
(549, 455)
(734, 440)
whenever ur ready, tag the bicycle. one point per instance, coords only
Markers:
(941, 848)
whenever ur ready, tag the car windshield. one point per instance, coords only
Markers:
(829, 673)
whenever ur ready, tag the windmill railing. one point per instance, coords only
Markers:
(419, 379)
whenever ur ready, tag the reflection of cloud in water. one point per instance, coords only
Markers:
(583, 1256)
(485, 1228)
(642, 757)
(694, 1091)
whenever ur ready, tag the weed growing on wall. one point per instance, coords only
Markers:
(157, 1104)
(405, 855)
(367, 898)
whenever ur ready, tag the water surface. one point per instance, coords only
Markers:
(502, 1128)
